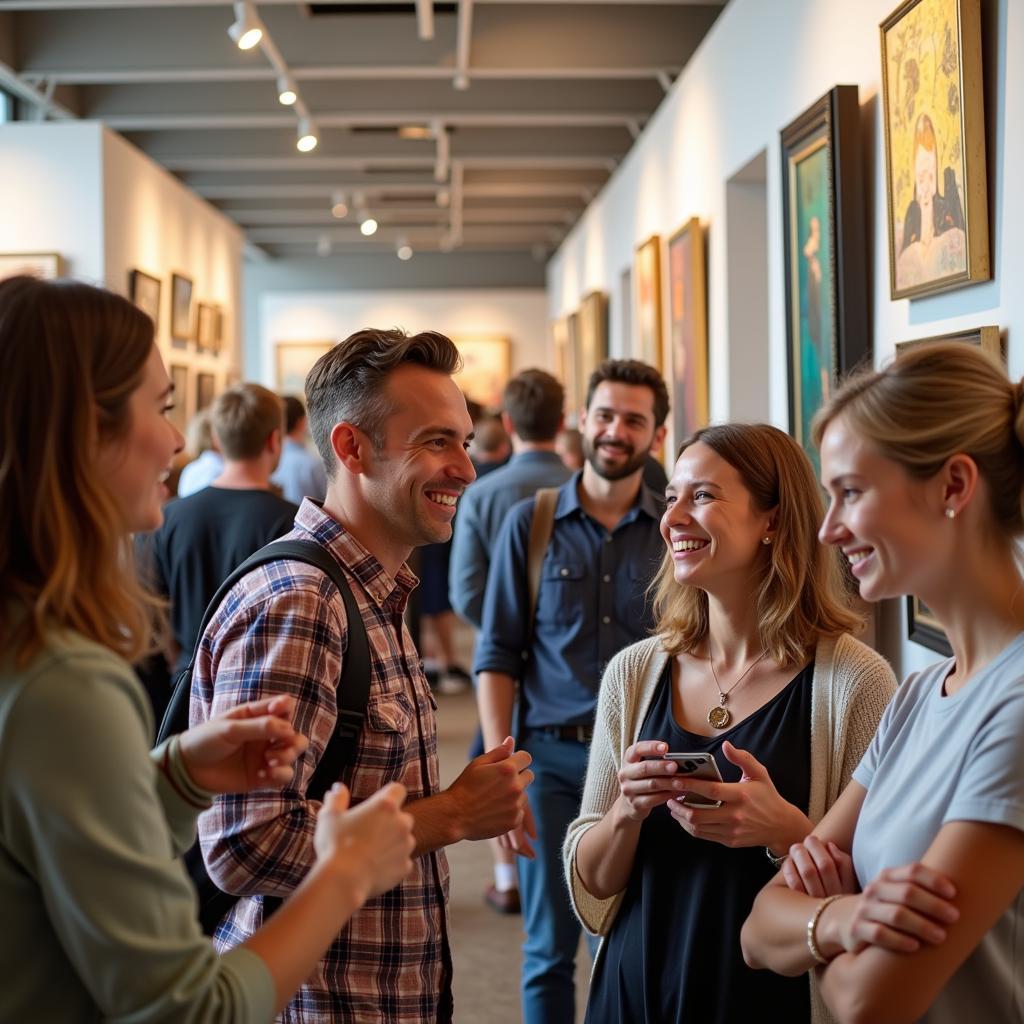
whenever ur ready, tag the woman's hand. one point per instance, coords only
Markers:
(898, 911)
(752, 812)
(819, 869)
(372, 843)
(644, 784)
(252, 746)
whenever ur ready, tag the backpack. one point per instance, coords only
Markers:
(353, 694)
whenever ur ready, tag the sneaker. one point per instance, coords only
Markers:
(502, 901)
(451, 684)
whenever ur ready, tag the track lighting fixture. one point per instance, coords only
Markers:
(306, 136)
(338, 205)
(246, 30)
(368, 227)
(403, 250)
(286, 91)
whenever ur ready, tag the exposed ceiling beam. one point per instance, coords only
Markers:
(341, 163)
(427, 214)
(512, 190)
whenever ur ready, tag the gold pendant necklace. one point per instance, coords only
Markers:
(719, 716)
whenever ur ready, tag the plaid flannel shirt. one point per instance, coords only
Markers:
(282, 629)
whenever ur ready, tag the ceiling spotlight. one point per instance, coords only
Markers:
(404, 250)
(338, 205)
(246, 30)
(461, 80)
(444, 197)
(368, 227)
(286, 93)
(306, 138)
(415, 131)
(323, 246)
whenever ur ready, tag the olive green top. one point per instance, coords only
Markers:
(98, 914)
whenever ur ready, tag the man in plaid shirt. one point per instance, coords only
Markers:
(392, 428)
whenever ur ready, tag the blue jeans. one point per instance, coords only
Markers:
(552, 930)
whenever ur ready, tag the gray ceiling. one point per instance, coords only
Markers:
(528, 106)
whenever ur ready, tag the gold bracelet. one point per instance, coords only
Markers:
(812, 927)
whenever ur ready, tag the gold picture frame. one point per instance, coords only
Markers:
(293, 360)
(647, 278)
(44, 265)
(933, 116)
(565, 365)
(989, 339)
(592, 349)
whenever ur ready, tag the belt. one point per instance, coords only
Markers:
(579, 733)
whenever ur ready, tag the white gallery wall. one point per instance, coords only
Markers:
(761, 65)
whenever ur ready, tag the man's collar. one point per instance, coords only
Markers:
(647, 501)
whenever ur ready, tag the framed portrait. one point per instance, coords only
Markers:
(923, 628)
(988, 339)
(294, 360)
(647, 339)
(206, 327)
(181, 310)
(486, 367)
(565, 365)
(144, 292)
(823, 226)
(206, 390)
(686, 362)
(45, 265)
(179, 378)
(593, 335)
(932, 109)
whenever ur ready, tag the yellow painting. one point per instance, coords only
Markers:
(486, 367)
(648, 302)
(935, 147)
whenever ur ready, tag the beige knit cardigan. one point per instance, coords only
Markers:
(850, 689)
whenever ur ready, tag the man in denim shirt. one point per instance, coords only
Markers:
(605, 548)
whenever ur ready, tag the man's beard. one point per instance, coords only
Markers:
(634, 461)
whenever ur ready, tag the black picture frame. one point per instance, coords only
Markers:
(144, 291)
(831, 124)
(181, 310)
(923, 628)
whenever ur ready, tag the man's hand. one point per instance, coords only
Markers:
(252, 746)
(490, 794)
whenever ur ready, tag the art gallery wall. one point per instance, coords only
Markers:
(760, 66)
(520, 314)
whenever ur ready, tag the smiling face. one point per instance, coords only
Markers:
(711, 527)
(881, 518)
(413, 482)
(618, 429)
(135, 465)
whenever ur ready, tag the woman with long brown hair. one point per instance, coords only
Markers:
(99, 917)
(752, 663)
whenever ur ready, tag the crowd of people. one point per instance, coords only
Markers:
(686, 754)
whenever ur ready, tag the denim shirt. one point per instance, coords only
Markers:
(592, 602)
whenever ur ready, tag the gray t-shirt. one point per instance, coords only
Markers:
(936, 759)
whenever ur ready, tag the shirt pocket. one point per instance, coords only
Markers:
(562, 591)
(637, 610)
(387, 733)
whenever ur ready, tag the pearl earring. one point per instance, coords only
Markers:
(766, 540)
(951, 513)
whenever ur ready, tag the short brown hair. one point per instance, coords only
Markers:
(534, 401)
(71, 356)
(243, 418)
(294, 411)
(346, 384)
(636, 373)
(800, 591)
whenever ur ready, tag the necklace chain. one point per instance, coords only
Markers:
(723, 695)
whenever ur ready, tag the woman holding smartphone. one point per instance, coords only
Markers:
(752, 663)
(910, 892)
(98, 915)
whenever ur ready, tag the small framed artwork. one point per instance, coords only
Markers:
(593, 334)
(647, 347)
(823, 224)
(144, 292)
(572, 328)
(923, 628)
(45, 265)
(686, 363)
(988, 339)
(179, 378)
(218, 332)
(294, 360)
(565, 365)
(625, 316)
(206, 327)
(206, 389)
(181, 310)
(486, 368)
(933, 113)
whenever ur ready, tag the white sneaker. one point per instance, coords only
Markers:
(451, 685)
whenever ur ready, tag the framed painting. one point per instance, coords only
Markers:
(988, 339)
(206, 327)
(486, 367)
(580, 379)
(45, 265)
(647, 346)
(686, 363)
(923, 628)
(218, 332)
(823, 225)
(294, 360)
(933, 113)
(179, 378)
(181, 310)
(144, 292)
(625, 316)
(565, 365)
(206, 389)
(593, 333)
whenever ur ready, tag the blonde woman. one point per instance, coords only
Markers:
(910, 893)
(753, 663)
(99, 919)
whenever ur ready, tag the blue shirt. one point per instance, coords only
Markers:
(300, 474)
(592, 602)
(482, 510)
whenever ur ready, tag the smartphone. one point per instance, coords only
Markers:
(696, 766)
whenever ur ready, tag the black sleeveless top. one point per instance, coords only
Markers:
(673, 954)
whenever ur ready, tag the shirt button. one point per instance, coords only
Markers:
(564, 572)
(606, 619)
(607, 577)
(608, 539)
